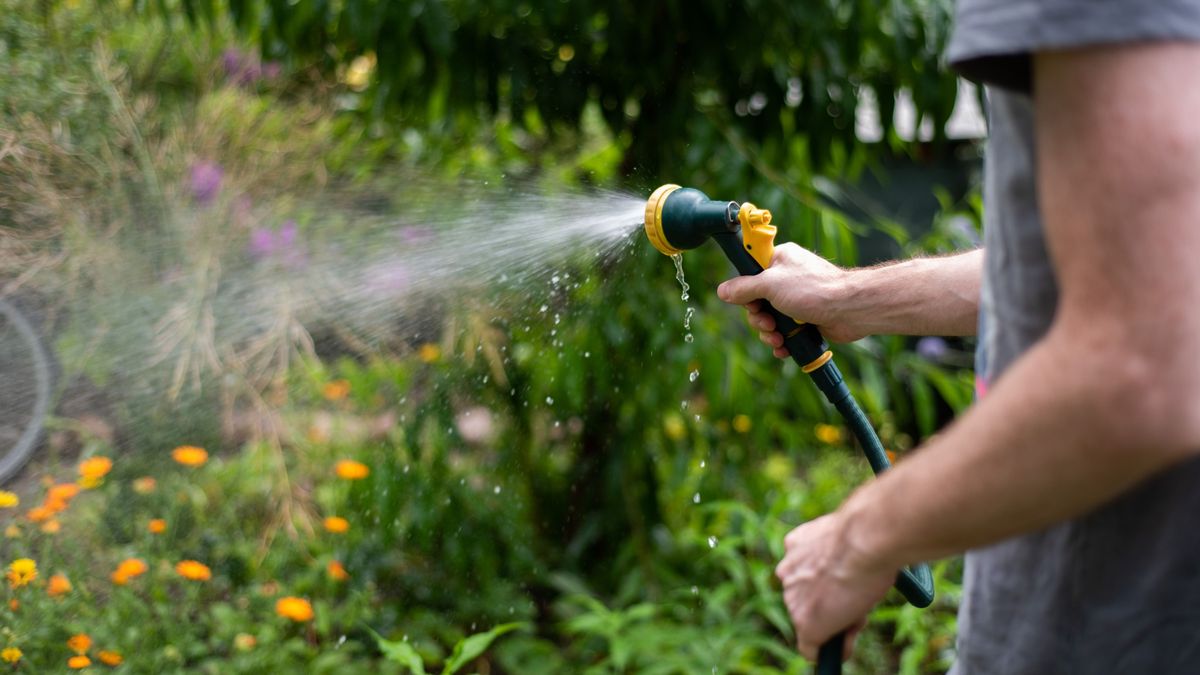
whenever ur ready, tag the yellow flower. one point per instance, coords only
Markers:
(21, 571)
(296, 609)
(95, 467)
(157, 526)
(336, 524)
(429, 352)
(80, 643)
(12, 531)
(741, 423)
(110, 658)
(90, 482)
(11, 654)
(8, 500)
(144, 485)
(828, 434)
(336, 390)
(58, 585)
(128, 569)
(196, 571)
(351, 470)
(189, 455)
(673, 427)
(79, 662)
(336, 571)
(244, 642)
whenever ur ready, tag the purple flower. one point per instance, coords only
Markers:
(280, 245)
(206, 181)
(932, 348)
(389, 277)
(232, 60)
(414, 235)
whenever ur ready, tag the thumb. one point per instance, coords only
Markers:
(744, 290)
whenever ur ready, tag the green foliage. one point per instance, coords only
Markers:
(630, 516)
(668, 80)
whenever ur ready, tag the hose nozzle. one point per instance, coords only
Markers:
(679, 219)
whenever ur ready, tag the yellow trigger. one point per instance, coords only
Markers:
(758, 234)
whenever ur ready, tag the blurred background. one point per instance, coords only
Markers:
(351, 251)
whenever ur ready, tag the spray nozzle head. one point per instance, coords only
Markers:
(679, 218)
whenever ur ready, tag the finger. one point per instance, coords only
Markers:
(763, 321)
(743, 290)
(754, 307)
(852, 638)
(782, 353)
(773, 339)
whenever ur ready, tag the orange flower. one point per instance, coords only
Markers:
(144, 485)
(128, 569)
(196, 571)
(157, 526)
(296, 609)
(39, 514)
(336, 390)
(95, 467)
(21, 571)
(336, 524)
(80, 643)
(110, 658)
(429, 352)
(189, 455)
(351, 470)
(51, 526)
(58, 585)
(336, 571)
(58, 497)
(79, 662)
(14, 604)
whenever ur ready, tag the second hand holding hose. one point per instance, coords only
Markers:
(679, 219)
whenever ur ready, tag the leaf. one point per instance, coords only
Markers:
(469, 648)
(401, 652)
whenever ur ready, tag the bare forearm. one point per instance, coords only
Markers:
(921, 296)
(1054, 439)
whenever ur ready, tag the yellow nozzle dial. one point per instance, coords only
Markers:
(654, 230)
(758, 234)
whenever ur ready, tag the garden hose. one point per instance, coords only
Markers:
(679, 219)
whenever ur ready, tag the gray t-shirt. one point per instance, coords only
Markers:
(1116, 590)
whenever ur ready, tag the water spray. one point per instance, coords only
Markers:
(679, 219)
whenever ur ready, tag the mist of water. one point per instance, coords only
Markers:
(227, 289)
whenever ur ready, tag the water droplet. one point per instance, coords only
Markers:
(712, 542)
(587, 355)
(542, 310)
(683, 405)
(696, 498)
(496, 490)
(554, 279)
(695, 590)
(549, 401)
(694, 375)
(688, 338)
(703, 464)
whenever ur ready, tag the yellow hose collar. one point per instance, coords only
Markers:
(654, 229)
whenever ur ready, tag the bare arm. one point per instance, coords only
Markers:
(921, 296)
(1107, 398)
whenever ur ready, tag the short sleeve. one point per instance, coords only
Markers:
(993, 39)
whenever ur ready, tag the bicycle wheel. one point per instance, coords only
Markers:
(24, 390)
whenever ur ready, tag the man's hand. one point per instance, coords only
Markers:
(829, 586)
(922, 296)
(802, 285)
